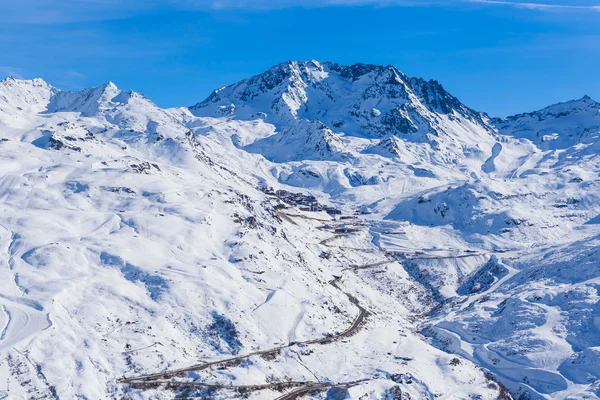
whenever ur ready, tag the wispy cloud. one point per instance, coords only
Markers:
(52, 11)
(70, 79)
(546, 5)
(266, 4)
(11, 71)
(538, 6)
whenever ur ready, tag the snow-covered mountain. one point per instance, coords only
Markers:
(367, 101)
(558, 126)
(317, 230)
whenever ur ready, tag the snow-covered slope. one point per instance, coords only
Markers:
(301, 140)
(319, 230)
(558, 126)
(20, 98)
(136, 240)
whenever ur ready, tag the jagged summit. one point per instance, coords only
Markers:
(360, 100)
(19, 81)
(14, 87)
(29, 103)
(36, 95)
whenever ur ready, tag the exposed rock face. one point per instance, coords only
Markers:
(358, 100)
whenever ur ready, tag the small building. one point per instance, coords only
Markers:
(282, 193)
(268, 190)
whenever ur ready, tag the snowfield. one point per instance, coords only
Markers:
(325, 231)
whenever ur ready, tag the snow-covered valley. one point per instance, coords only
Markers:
(318, 230)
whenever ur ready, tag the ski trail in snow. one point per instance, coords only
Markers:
(474, 298)
(528, 161)
(269, 297)
(7, 324)
(541, 378)
(292, 333)
(22, 322)
(489, 165)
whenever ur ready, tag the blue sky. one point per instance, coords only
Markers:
(502, 57)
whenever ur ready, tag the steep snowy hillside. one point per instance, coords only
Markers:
(19, 98)
(318, 230)
(138, 240)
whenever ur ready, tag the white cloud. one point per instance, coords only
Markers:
(53, 11)
(279, 4)
(10, 71)
(548, 5)
(539, 6)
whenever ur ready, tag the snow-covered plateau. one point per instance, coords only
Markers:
(317, 231)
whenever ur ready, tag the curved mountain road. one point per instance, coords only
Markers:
(301, 388)
(294, 394)
(316, 387)
(357, 323)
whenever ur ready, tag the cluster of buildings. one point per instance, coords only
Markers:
(305, 202)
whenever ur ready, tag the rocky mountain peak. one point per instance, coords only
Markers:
(363, 100)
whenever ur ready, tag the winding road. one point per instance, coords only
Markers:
(162, 378)
(314, 387)
(298, 389)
